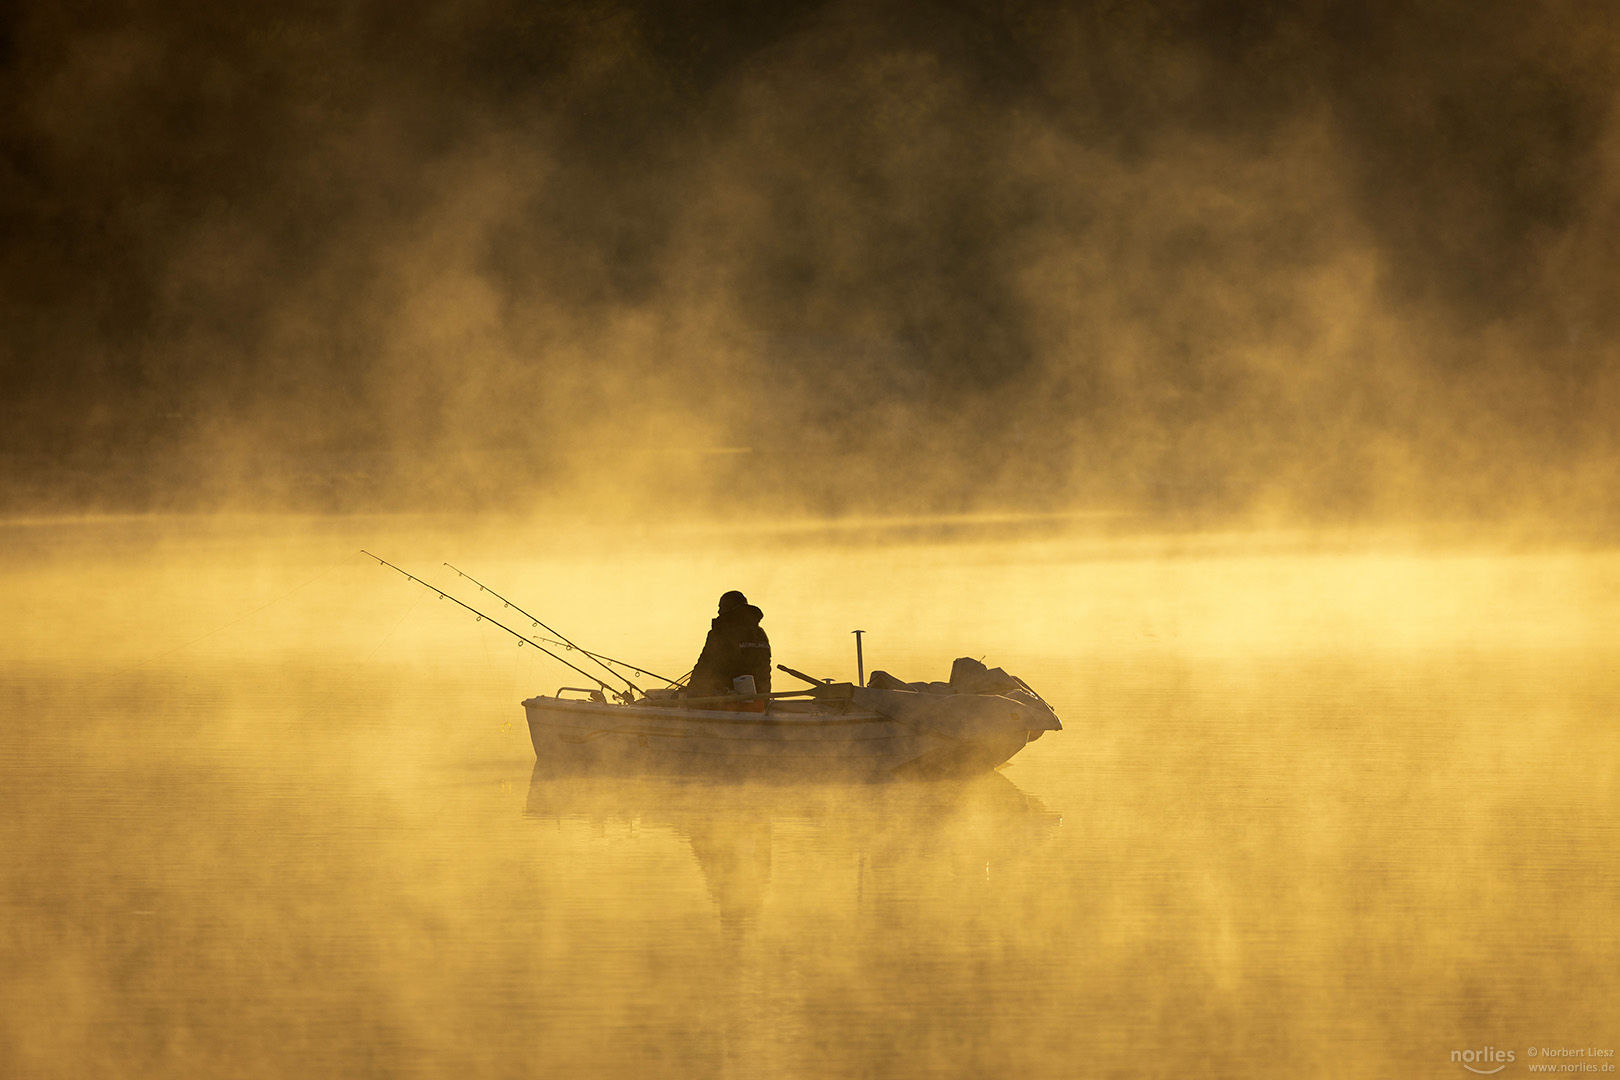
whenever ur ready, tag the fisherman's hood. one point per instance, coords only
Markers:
(746, 614)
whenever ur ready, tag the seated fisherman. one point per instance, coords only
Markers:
(736, 646)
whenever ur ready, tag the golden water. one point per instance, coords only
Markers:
(1320, 809)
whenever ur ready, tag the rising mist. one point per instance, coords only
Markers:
(1331, 260)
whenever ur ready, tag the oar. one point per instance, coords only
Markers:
(801, 675)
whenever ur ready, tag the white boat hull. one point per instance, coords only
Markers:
(859, 742)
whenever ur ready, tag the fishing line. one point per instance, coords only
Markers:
(392, 630)
(354, 672)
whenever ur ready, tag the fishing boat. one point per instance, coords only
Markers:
(878, 727)
(886, 728)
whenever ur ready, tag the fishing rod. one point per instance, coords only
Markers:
(598, 657)
(564, 642)
(625, 697)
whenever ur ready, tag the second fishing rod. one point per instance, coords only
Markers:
(602, 659)
(625, 696)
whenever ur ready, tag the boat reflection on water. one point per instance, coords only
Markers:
(847, 831)
(830, 901)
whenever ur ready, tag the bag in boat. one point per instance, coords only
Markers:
(978, 702)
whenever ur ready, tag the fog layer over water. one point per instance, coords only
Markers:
(1319, 808)
(1320, 260)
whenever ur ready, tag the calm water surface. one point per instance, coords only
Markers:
(1320, 809)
